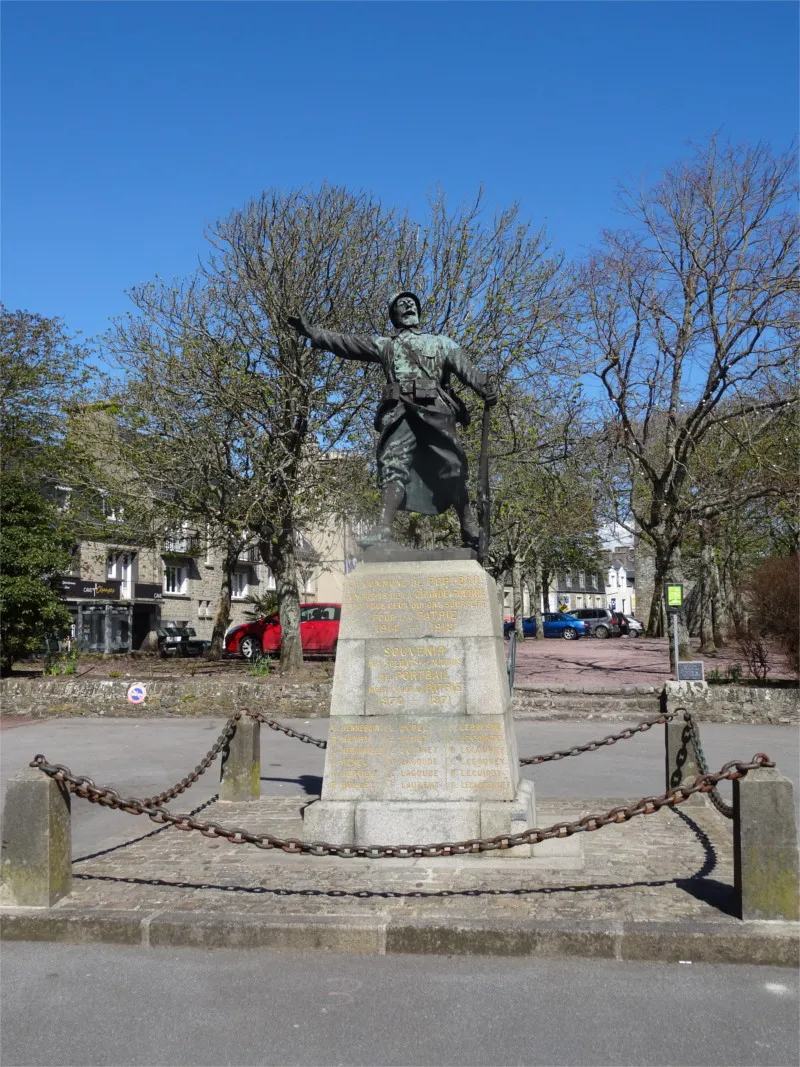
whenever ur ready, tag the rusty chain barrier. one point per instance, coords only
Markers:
(545, 757)
(714, 796)
(592, 746)
(107, 797)
(273, 724)
(189, 780)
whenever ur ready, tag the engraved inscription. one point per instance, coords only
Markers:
(432, 604)
(426, 756)
(412, 676)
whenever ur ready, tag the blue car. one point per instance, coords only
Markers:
(556, 624)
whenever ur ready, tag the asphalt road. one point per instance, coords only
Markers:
(143, 756)
(65, 1004)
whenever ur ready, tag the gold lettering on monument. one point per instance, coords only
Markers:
(434, 603)
(440, 756)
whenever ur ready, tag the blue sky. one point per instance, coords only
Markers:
(127, 126)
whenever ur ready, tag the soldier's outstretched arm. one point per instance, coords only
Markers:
(465, 370)
(346, 345)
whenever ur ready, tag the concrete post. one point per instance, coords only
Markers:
(766, 865)
(37, 839)
(682, 766)
(241, 766)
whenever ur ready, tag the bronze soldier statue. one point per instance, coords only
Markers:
(421, 464)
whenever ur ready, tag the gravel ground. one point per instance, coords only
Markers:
(615, 661)
(610, 662)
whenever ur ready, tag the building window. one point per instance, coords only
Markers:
(271, 580)
(175, 579)
(62, 495)
(239, 584)
(204, 609)
(111, 512)
(120, 567)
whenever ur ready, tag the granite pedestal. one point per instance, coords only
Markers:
(421, 747)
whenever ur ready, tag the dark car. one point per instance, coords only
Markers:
(602, 622)
(319, 633)
(556, 624)
(182, 640)
(629, 626)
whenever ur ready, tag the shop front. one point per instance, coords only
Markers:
(102, 622)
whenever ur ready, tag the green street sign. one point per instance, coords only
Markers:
(674, 596)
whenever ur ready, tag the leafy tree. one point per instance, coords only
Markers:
(34, 547)
(42, 370)
(688, 321)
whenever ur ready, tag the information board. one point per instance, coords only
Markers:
(691, 671)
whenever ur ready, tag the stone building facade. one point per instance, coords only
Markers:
(118, 591)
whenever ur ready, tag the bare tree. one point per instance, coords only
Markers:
(243, 410)
(688, 321)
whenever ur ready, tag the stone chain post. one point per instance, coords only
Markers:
(37, 840)
(241, 763)
(766, 863)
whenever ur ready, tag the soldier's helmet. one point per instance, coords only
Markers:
(396, 296)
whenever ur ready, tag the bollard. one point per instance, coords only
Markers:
(37, 840)
(766, 866)
(681, 759)
(241, 763)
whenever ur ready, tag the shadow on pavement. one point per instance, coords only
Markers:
(712, 892)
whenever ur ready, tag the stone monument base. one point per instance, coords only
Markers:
(421, 746)
(412, 822)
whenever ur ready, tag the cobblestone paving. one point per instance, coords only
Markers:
(667, 866)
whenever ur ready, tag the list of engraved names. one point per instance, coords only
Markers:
(401, 757)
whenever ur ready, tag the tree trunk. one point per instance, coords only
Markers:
(546, 588)
(707, 645)
(223, 616)
(279, 555)
(536, 601)
(719, 616)
(656, 620)
(516, 585)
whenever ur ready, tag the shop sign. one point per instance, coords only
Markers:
(80, 589)
(147, 591)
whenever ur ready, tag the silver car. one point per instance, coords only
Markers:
(602, 622)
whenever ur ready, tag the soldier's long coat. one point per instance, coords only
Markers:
(437, 473)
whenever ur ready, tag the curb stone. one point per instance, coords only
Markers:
(775, 944)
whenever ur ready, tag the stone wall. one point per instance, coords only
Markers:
(618, 704)
(275, 696)
(165, 696)
(734, 703)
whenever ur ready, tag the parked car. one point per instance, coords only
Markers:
(319, 633)
(602, 622)
(556, 624)
(182, 641)
(629, 626)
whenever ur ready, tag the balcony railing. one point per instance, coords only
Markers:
(183, 545)
(250, 555)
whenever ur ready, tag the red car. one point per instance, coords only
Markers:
(319, 633)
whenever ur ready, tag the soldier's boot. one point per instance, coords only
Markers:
(391, 499)
(470, 531)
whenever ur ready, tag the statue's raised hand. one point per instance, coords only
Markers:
(300, 323)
